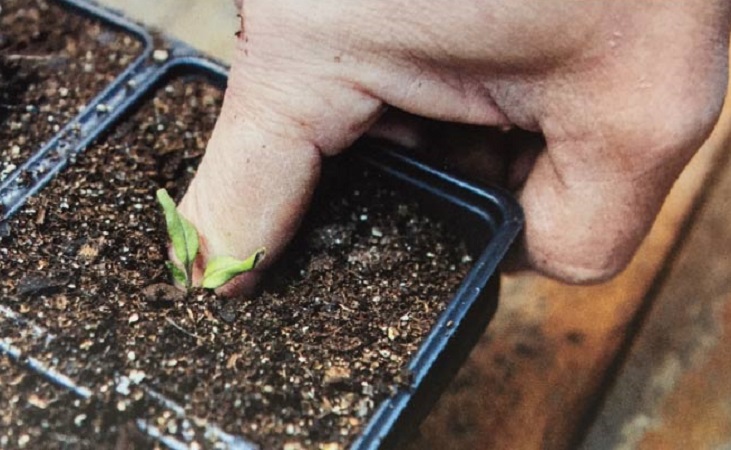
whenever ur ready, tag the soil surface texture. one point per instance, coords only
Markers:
(52, 62)
(86, 294)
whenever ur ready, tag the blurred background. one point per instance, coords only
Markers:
(208, 25)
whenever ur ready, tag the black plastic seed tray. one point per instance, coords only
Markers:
(488, 219)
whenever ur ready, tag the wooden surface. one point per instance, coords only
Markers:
(537, 375)
(675, 387)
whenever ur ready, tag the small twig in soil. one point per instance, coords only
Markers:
(181, 329)
(21, 58)
(65, 438)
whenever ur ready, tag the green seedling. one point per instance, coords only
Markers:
(222, 268)
(184, 238)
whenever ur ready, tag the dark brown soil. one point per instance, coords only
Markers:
(25, 404)
(51, 63)
(300, 366)
(35, 413)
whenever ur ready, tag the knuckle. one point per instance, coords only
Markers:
(687, 122)
(583, 267)
(680, 112)
(585, 246)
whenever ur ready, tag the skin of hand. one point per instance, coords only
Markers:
(623, 94)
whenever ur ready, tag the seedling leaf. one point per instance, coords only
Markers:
(183, 234)
(177, 272)
(222, 268)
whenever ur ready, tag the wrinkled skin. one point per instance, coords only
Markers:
(623, 93)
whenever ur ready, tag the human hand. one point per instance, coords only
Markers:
(622, 92)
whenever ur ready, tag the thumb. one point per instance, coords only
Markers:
(263, 160)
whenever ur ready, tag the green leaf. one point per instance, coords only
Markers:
(177, 272)
(222, 268)
(183, 234)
